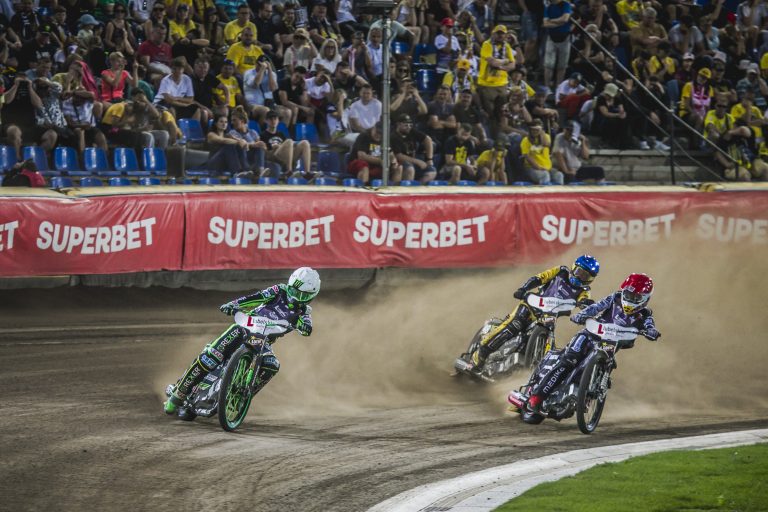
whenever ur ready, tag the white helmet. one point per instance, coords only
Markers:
(303, 285)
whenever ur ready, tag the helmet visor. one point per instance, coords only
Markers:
(299, 295)
(631, 297)
(582, 275)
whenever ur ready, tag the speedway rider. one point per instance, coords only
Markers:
(288, 302)
(557, 282)
(626, 307)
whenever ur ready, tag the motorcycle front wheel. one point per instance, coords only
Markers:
(534, 349)
(589, 402)
(235, 393)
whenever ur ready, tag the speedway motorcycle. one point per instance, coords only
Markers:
(228, 390)
(524, 350)
(585, 390)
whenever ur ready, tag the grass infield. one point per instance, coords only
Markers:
(732, 479)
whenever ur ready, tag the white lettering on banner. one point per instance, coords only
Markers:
(606, 232)
(420, 235)
(10, 229)
(95, 239)
(270, 235)
(732, 229)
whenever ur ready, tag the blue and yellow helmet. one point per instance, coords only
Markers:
(584, 270)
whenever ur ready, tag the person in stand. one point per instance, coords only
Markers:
(561, 282)
(367, 155)
(281, 302)
(627, 307)
(570, 150)
(227, 153)
(283, 150)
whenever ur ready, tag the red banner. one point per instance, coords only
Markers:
(97, 235)
(354, 229)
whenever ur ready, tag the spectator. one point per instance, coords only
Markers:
(286, 25)
(78, 109)
(23, 174)
(685, 37)
(557, 51)
(51, 124)
(368, 158)
(255, 149)
(227, 153)
(409, 101)
(328, 58)
(509, 120)
(364, 113)
(267, 35)
(751, 16)
(176, 93)
(244, 54)
(227, 9)
(155, 54)
(158, 18)
(747, 111)
(140, 10)
(459, 164)
(414, 151)
(570, 150)
(610, 118)
(60, 30)
(25, 21)
(301, 52)
(530, 21)
(441, 122)
(320, 91)
(655, 116)
(16, 122)
(375, 70)
(234, 28)
(344, 79)
(87, 28)
(742, 148)
(536, 159)
(630, 12)
(320, 27)
(465, 112)
(407, 14)
(538, 109)
(648, 34)
(481, 14)
(138, 124)
(721, 84)
(754, 83)
(115, 79)
(357, 56)
(695, 99)
(459, 79)
(493, 160)
(293, 96)
(204, 84)
(284, 151)
(447, 46)
(571, 94)
(595, 13)
(517, 79)
(38, 47)
(118, 33)
(260, 85)
(717, 123)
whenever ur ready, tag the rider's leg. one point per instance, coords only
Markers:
(514, 324)
(574, 352)
(211, 356)
(269, 368)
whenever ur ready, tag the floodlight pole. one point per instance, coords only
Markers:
(385, 99)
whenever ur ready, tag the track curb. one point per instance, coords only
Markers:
(485, 490)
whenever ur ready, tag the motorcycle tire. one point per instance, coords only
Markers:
(534, 348)
(235, 393)
(588, 407)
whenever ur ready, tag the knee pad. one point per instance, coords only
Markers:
(210, 358)
(271, 364)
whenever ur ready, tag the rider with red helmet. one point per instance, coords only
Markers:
(627, 307)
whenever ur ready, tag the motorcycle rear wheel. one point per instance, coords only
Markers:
(589, 407)
(235, 393)
(534, 349)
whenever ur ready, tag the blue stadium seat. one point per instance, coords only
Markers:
(179, 181)
(466, 183)
(154, 161)
(61, 182)
(352, 182)
(149, 181)
(37, 154)
(377, 183)
(209, 181)
(127, 163)
(576, 183)
(325, 181)
(410, 183)
(65, 161)
(424, 55)
(400, 48)
(607, 183)
(438, 183)
(96, 162)
(119, 181)
(7, 157)
(267, 180)
(254, 125)
(192, 130)
(522, 183)
(240, 180)
(329, 162)
(295, 181)
(90, 181)
(426, 81)
(282, 127)
(306, 131)
(490, 183)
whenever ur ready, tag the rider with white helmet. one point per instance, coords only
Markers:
(289, 302)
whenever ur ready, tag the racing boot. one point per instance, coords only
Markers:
(186, 413)
(478, 361)
(534, 404)
(175, 400)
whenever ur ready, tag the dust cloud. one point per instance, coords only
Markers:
(394, 345)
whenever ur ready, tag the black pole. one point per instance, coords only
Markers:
(672, 141)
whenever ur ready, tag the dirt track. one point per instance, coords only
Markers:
(359, 412)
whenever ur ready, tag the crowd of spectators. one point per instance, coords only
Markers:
(474, 96)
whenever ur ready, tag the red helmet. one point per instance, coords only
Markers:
(636, 291)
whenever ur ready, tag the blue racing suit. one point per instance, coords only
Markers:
(608, 310)
(276, 305)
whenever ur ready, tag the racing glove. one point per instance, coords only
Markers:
(652, 334)
(585, 303)
(229, 308)
(578, 318)
(519, 293)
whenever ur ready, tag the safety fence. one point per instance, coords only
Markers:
(107, 234)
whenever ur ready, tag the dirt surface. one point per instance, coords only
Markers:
(361, 411)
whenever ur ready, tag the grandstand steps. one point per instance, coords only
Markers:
(636, 166)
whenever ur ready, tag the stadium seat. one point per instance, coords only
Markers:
(149, 181)
(306, 131)
(424, 55)
(240, 180)
(192, 130)
(466, 183)
(282, 127)
(119, 181)
(209, 181)
(96, 162)
(410, 183)
(400, 48)
(426, 81)
(179, 181)
(154, 161)
(377, 183)
(329, 162)
(7, 157)
(127, 163)
(607, 183)
(490, 183)
(522, 183)
(65, 161)
(438, 183)
(576, 183)
(90, 181)
(254, 125)
(352, 182)
(37, 154)
(295, 181)
(325, 181)
(61, 182)
(267, 180)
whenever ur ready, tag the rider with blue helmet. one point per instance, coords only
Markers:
(560, 282)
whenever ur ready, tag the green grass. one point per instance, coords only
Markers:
(732, 479)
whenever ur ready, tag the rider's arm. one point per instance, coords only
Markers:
(544, 277)
(649, 326)
(584, 298)
(593, 310)
(249, 302)
(304, 324)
